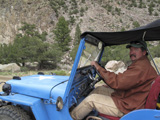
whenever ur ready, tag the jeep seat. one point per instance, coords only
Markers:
(151, 102)
(107, 117)
(153, 95)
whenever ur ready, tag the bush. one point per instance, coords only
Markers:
(24, 69)
(83, 1)
(150, 8)
(136, 24)
(116, 53)
(61, 72)
(155, 51)
(118, 10)
(75, 11)
(82, 10)
(155, 14)
(123, 29)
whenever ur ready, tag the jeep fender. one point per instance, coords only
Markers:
(35, 104)
(142, 114)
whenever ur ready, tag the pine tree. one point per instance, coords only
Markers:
(77, 35)
(150, 8)
(62, 34)
(30, 47)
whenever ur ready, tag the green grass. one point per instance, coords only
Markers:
(26, 73)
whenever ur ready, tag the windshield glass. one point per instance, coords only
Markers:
(90, 53)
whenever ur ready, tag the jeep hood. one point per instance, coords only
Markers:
(41, 86)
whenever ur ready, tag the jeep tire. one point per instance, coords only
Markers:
(11, 112)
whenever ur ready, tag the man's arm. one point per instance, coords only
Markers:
(128, 79)
(97, 66)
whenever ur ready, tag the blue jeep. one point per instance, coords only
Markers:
(52, 97)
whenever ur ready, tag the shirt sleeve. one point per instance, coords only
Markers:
(132, 77)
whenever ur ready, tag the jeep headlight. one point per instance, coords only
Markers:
(59, 103)
(6, 88)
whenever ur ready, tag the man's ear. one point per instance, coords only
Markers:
(144, 52)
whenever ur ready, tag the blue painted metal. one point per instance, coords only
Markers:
(142, 114)
(36, 104)
(74, 68)
(40, 109)
(57, 115)
(38, 85)
(58, 90)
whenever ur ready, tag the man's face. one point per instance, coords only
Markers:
(136, 53)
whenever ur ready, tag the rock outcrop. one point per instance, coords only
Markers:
(157, 62)
(12, 67)
(115, 66)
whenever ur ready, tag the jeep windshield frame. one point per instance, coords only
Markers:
(91, 52)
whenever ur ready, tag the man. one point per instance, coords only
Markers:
(126, 92)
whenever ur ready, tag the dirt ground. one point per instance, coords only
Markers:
(4, 79)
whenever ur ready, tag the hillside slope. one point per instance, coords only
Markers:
(91, 15)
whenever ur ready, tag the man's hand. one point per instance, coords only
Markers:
(95, 64)
(98, 69)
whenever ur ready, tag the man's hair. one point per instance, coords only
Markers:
(143, 49)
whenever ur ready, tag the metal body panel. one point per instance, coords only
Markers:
(58, 90)
(142, 114)
(74, 68)
(57, 115)
(35, 104)
(37, 85)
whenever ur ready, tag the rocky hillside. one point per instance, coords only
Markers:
(13, 13)
(91, 15)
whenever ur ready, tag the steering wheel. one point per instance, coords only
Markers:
(99, 75)
(91, 74)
